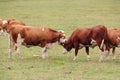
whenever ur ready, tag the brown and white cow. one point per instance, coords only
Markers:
(114, 36)
(32, 36)
(87, 37)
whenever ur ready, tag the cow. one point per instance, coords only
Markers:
(28, 36)
(114, 36)
(88, 37)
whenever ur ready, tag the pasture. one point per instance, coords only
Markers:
(66, 15)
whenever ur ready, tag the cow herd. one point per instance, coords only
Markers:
(21, 34)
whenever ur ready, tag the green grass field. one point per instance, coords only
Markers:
(66, 15)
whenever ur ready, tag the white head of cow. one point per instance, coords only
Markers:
(4, 22)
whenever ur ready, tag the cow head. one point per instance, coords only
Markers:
(6, 24)
(67, 45)
(61, 36)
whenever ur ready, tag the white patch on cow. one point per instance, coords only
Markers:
(43, 29)
(118, 38)
(102, 43)
(101, 57)
(81, 46)
(50, 45)
(4, 22)
(62, 31)
(93, 41)
(62, 40)
(2, 31)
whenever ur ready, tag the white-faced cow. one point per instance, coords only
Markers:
(114, 36)
(32, 36)
(87, 37)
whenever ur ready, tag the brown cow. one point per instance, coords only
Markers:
(32, 36)
(87, 37)
(114, 36)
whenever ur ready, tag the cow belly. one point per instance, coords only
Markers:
(29, 42)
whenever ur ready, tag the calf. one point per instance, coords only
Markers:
(32, 36)
(87, 37)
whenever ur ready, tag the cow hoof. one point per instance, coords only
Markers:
(43, 56)
(88, 59)
(114, 58)
(74, 58)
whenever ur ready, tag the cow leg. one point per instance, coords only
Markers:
(100, 43)
(87, 51)
(113, 51)
(107, 51)
(107, 55)
(19, 42)
(11, 46)
(76, 50)
(44, 52)
(101, 57)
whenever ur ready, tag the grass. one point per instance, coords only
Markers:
(59, 14)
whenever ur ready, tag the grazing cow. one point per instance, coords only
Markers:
(87, 37)
(114, 36)
(32, 36)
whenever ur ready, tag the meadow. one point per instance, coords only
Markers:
(66, 15)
